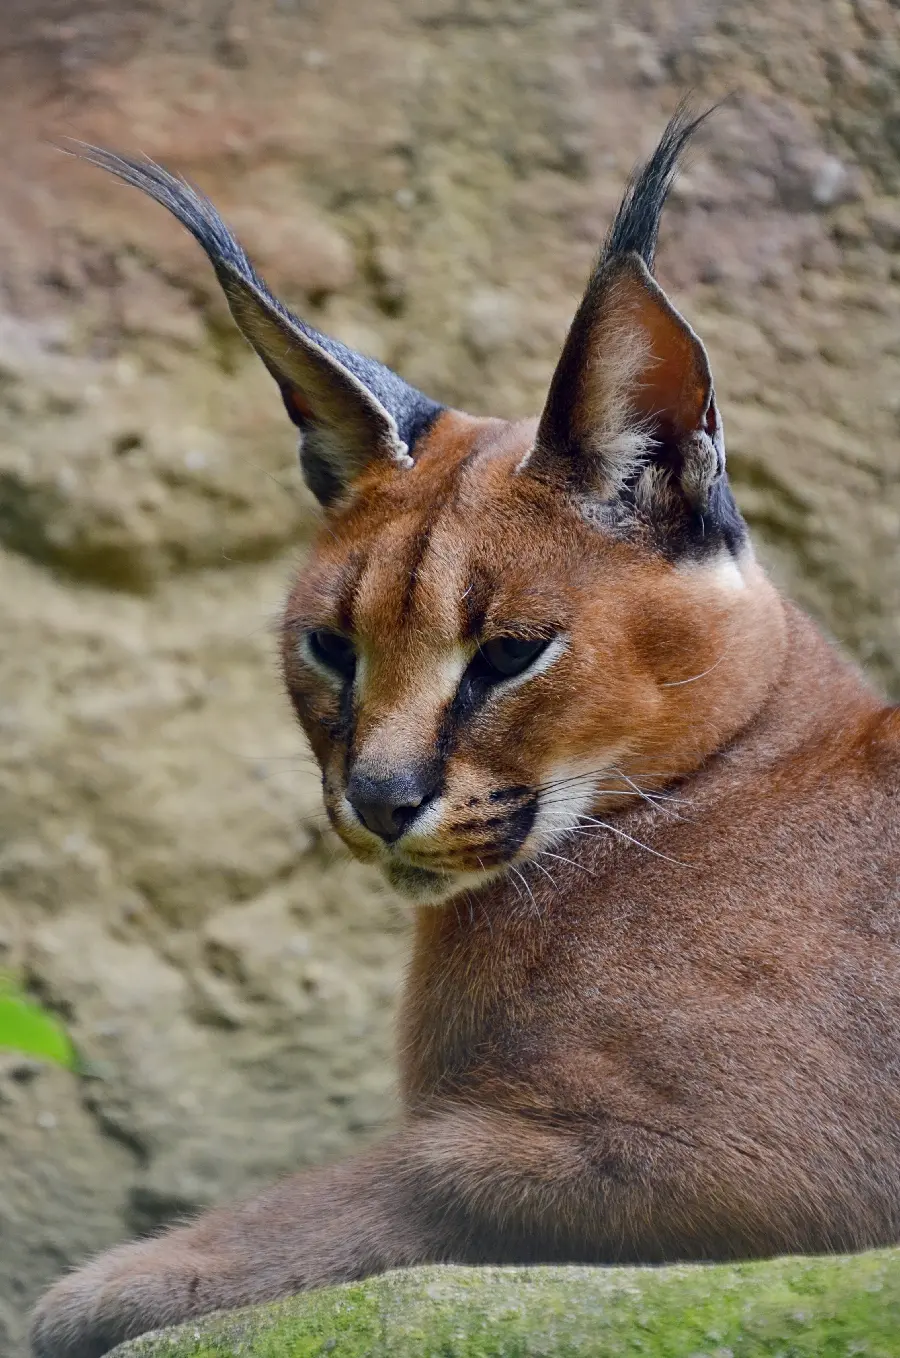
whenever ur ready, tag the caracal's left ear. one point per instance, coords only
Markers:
(631, 421)
(352, 411)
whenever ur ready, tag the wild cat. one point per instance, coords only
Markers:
(646, 818)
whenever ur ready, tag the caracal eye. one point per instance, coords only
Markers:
(504, 657)
(333, 650)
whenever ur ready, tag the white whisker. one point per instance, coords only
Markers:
(649, 797)
(527, 888)
(654, 797)
(487, 918)
(540, 867)
(595, 825)
(517, 891)
(545, 853)
(677, 683)
(567, 785)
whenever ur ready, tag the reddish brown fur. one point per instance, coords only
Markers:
(650, 1059)
(669, 1029)
(644, 627)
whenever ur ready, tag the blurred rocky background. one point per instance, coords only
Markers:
(428, 180)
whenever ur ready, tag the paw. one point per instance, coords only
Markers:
(117, 1297)
(63, 1326)
(72, 1321)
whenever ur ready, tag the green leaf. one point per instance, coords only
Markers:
(26, 1027)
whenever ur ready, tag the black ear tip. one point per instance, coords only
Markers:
(325, 386)
(635, 227)
(185, 202)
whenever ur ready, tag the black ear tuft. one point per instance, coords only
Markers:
(192, 209)
(350, 409)
(635, 228)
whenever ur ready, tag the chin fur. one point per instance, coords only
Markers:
(425, 887)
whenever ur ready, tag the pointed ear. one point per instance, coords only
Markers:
(352, 411)
(631, 421)
(632, 391)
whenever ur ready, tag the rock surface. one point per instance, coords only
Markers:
(428, 179)
(804, 1308)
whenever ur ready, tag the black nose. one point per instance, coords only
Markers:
(388, 805)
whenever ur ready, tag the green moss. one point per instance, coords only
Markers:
(780, 1308)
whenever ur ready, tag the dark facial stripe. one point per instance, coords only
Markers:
(422, 540)
(417, 551)
(348, 587)
(469, 698)
(473, 607)
(347, 719)
(519, 825)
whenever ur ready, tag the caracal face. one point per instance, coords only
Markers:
(464, 638)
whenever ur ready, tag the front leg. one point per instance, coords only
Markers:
(459, 1185)
(322, 1227)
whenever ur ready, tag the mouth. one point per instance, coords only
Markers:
(429, 872)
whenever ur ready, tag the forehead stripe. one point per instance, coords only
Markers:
(422, 539)
(418, 548)
(348, 586)
(473, 607)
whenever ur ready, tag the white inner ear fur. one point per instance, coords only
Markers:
(613, 437)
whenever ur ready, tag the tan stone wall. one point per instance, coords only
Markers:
(427, 179)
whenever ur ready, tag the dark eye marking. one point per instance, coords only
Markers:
(504, 657)
(334, 651)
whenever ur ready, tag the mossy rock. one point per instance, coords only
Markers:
(780, 1308)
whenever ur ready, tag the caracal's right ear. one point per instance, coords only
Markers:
(352, 411)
